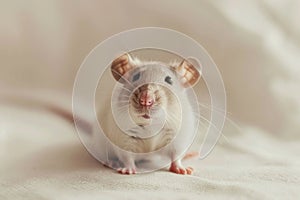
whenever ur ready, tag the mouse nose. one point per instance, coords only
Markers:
(146, 99)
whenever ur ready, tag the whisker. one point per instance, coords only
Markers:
(209, 107)
(124, 101)
(122, 117)
(130, 91)
(210, 123)
(199, 115)
(122, 107)
(124, 95)
(234, 124)
(173, 117)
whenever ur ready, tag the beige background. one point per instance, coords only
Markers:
(255, 44)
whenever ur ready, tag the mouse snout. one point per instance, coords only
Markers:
(146, 99)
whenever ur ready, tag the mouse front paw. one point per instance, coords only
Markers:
(127, 170)
(179, 169)
(128, 166)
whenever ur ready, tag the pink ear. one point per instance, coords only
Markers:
(121, 65)
(188, 74)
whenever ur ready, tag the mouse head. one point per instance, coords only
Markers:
(145, 99)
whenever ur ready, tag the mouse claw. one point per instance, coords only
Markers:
(189, 170)
(127, 171)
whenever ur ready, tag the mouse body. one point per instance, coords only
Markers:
(152, 106)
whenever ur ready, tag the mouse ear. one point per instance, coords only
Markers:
(121, 65)
(188, 74)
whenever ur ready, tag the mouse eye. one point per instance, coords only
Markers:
(136, 77)
(168, 80)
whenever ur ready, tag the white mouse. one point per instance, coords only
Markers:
(143, 102)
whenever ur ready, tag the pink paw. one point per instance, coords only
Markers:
(178, 169)
(126, 170)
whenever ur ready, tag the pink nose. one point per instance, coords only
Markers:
(146, 99)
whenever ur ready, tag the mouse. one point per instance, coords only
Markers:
(146, 90)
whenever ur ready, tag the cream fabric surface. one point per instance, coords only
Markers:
(42, 158)
(256, 45)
